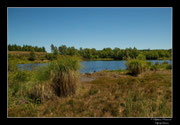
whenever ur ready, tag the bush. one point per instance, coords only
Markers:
(157, 64)
(169, 66)
(61, 76)
(141, 57)
(165, 62)
(32, 55)
(64, 74)
(93, 91)
(136, 66)
(40, 92)
(161, 66)
(154, 67)
(49, 56)
(12, 66)
(42, 73)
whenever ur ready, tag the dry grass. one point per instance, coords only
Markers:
(25, 52)
(111, 94)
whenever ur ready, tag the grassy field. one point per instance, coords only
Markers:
(108, 94)
(59, 90)
(22, 57)
(25, 52)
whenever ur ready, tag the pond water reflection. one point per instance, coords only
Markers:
(91, 66)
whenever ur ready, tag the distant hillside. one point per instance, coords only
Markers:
(25, 52)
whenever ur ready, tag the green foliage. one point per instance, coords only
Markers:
(25, 48)
(55, 53)
(49, 56)
(42, 73)
(169, 66)
(12, 65)
(152, 55)
(21, 76)
(165, 62)
(65, 64)
(141, 57)
(93, 91)
(154, 67)
(116, 53)
(32, 55)
(52, 48)
(149, 64)
(135, 66)
(107, 96)
(64, 74)
(162, 66)
(63, 50)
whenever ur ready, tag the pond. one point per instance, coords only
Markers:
(91, 66)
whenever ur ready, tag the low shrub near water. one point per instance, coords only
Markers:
(64, 74)
(58, 78)
(12, 64)
(162, 66)
(135, 66)
(169, 66)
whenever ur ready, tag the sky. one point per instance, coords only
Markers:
(143, 28)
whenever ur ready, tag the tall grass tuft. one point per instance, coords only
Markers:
(135, 66)
(58, 78)
(64, 75)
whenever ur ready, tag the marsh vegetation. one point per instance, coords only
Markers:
(58, 89)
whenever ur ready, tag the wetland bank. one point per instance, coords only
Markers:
(60, 89)
(90, 62)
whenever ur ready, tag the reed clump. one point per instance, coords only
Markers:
(64, 75)
(135, 66)
(59, 78)
(40, 92)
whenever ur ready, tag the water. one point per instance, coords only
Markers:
(30, 66)
(91, 66)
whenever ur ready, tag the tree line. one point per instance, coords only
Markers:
(15, 47)
(116, 53)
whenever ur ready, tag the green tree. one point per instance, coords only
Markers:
(116, 53)
(52, 48)
(55, 53)
(63, 50)
(43, 49)
(87, 53)
(141, 57)
(32, 55)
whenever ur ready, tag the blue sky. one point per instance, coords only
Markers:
(91, 27)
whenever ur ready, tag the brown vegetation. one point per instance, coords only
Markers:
(109, 94)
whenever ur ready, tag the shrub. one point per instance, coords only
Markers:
(149, 63)
(58, 78)
(165, 62)
(21, 76)
(93, 91)
(40, 92)
(154, 67)
(49, 56)
(32, 55)
(12, 66)
(136, 66)
(141, 57)
(42, 73)
(157, 64)
(169, 66)
(64, 73)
